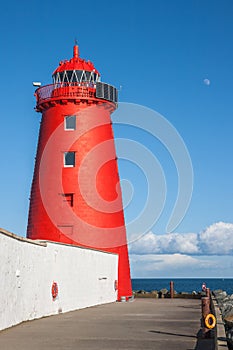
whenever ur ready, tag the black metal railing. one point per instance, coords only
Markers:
(77, 90)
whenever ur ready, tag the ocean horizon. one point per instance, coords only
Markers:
(182, 284)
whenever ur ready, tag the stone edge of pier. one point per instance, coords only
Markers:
(221, 340)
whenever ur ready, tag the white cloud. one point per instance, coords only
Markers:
(170, 243)
(167, 265)
(217, 239)
(166, 261)
(181, 266)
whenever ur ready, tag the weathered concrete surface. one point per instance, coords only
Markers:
(143, 324)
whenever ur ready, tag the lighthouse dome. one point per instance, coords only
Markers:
(76, 70)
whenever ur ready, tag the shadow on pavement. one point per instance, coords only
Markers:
(175, 334)
(205, 344)
(201, 344)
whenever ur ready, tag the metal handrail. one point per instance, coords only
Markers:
(76, 90)
(66, 90)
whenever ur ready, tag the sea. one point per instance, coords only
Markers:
(183, 284)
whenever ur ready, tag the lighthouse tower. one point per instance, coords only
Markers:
(75, 195)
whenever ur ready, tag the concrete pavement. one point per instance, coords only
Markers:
(142, 324)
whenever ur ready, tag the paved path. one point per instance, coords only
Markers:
(143, 324)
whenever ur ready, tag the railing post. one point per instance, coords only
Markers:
(205, 306)
(172, 289)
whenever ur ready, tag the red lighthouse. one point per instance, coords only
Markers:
(75, 195)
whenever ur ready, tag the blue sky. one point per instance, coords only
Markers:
(158, 54)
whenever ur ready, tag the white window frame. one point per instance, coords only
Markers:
(65, 125)
(64, 160)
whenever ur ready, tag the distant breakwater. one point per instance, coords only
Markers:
(165, 293)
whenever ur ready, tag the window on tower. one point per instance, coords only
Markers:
(69, 75)
(88, 75)
(75, 76)
(78, 75)
(61, 76)
(70, 122)
(68, 198)
(69, 159)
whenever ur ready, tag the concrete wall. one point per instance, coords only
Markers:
(85, 278)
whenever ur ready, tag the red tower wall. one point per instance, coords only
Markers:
(82, 204)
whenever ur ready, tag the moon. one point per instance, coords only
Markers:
(206, 82)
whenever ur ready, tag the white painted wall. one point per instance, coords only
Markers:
(85, 278)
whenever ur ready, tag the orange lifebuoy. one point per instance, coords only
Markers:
(116, 285)
(210, 321)
(54, 290)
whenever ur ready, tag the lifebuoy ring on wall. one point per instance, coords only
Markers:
(210, 321)
(54, 290)
(116, 285)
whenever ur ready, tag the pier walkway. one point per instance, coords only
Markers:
(142, 324)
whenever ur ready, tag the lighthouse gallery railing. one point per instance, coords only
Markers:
(77, 90)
